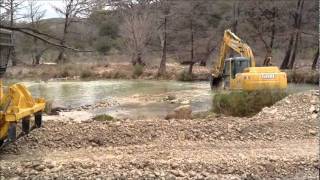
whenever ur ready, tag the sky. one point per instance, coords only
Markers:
(45, 5)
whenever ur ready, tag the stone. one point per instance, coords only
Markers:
(269, 110)
(185, 102)
(312, 109)
(181, 112)
(169, 98)
(173, 101)
(312, 132)
(314, 116)
(39, 168)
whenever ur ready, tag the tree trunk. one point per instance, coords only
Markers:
(294, 52)
(14, 58)
(61, 57)
(285, 62)
(236, 12)
(137, 60)
(298, 20)
(235, 21)
(162, 67)
(268, 57)
(192, 48)
(315, 60)
(191, 68)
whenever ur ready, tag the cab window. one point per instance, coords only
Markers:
(226, 70)
(238, 66)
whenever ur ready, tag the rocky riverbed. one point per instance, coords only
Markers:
(280, 142)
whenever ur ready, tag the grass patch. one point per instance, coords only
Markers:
(185, 76)
(104, 117)
(239, 103)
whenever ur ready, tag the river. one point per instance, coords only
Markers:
(134, 98)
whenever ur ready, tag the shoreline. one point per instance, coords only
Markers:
(121, 71)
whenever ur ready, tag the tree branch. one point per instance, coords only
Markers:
(24, 31)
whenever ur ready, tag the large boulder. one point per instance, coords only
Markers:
(181, 112)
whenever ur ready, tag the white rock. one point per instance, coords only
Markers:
(185, 102)
(312, 109)
(314, 116)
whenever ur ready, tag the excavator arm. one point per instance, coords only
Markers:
(233, 42)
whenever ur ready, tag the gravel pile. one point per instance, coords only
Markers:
(279, 142)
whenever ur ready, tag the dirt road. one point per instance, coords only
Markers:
(279, 142)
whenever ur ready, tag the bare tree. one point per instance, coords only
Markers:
(11, 8)
(290, 56)
(35, 14)
(163, 34)
(263, 17)
(298, 21)
(72, 12)
(136, 30)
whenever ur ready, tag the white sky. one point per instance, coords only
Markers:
(45, 5)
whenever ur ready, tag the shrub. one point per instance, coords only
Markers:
(295, 76)
(138, 70)
(48, 107)
(185, 76)
(103, 117)
(104, 45)
(85, 73)
(239, 103)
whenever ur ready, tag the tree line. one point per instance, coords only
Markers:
(188, 31)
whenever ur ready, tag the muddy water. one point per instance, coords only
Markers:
(131, 99)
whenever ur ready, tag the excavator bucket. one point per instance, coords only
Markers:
(215, 82)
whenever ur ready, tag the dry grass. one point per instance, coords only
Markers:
(303, 76)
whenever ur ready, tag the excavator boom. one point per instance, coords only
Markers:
(233, 42)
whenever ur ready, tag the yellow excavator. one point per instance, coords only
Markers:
(16, 103)
(241, 73)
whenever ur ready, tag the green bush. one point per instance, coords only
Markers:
(103, 117)
(239, 103)
(185, 76)
(138, 70)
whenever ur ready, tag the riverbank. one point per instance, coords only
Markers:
(98, 71)
(279, 142)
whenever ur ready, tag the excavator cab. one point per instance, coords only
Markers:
(233, 66)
